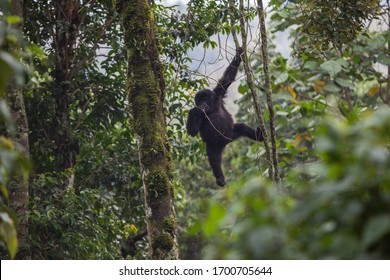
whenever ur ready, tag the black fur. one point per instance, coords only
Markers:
(214, 123)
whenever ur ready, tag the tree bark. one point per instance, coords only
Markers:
(146, 89)
(18, 187)
(66, 30)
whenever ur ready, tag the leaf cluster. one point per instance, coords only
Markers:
(12, 162)
(325, 25)
(87, 225)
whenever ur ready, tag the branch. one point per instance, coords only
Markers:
(250, 79)
(268, 91)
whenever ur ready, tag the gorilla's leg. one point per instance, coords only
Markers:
(241, 129)
(214, 154)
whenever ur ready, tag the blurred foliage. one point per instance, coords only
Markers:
(337, 208)
(12, 162)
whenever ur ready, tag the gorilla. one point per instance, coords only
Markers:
(210, 118)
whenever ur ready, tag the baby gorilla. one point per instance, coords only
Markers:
(210, 118)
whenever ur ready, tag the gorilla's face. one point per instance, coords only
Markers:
(205, 100)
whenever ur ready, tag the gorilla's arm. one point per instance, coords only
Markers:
(229, 75)
(194, 121)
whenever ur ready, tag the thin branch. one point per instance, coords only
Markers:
(268, 90)
(250, 79)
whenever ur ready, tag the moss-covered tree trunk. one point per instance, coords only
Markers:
(146, 90)
(18, 188)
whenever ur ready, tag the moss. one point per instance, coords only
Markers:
(164, 241)
(158, 183)
(156, 149)
(169, 225)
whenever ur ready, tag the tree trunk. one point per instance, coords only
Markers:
(146, 88)
(18, 188)
(66, 30)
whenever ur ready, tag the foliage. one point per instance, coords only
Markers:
(327, 24)
(337, 208)
(97, 87)
(12, 162)
(107, 157)
(307, 86)
(87, 225)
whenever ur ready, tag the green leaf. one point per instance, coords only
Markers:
(311, 65)
(376, 228)
(5, 74)
(216, 213)
(331, 87)
(37, 51)
(384, 59)
(243, 88)
(344, 83)
(15, 65)
(284, 96)
(4, 191)
(332, 67)
(376, 43)
(5, 114)
(284, 13)
(356, 59)
(13, 19)
(280, 79)
(8, 233)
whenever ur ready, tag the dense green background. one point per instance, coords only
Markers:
(333, 134)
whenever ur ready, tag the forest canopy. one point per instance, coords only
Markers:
(96, 163)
